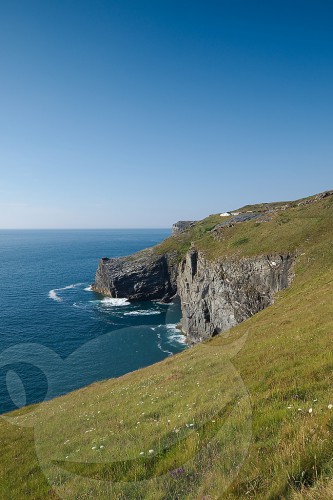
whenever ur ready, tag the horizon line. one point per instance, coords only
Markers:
(78, 228)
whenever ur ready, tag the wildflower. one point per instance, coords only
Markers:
(142, 452)
(151, 451)
(102, 446)
(93, 448)
(177, 472)
(330, 407)
(310, 410)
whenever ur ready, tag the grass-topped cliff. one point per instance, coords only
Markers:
(246, 414)
(280, 227)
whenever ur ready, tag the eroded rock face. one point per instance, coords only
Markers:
(218, 295)
(144, 275)
(214, 295)
(182, 225)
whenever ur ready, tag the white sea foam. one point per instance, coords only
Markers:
(174, 334)
(88, 289)
(81, 305)
(147, 312)
(68, 287)
(159, 345)
(113, 302)
(53, 293)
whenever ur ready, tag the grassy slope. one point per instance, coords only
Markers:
(286, 365)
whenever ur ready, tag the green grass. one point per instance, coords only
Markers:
(229, 418)
(290, 230)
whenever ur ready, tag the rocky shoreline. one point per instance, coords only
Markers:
(214, 295)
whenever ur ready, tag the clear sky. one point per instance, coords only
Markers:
(140, 113)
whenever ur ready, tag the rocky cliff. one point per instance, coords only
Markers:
(223, 272)
(218, 295)
(182, 225)
(214, 295)
(142, 276)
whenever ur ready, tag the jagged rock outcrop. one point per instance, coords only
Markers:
(314, 199)
(182, 225)
(214, 295)
(218, 295)
(145, 275)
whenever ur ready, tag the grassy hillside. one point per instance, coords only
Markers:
(246, 415)
(286, 227)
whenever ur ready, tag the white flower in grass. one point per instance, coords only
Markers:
(310, 410)
(330, 407)
(151, 451)
(142, 452)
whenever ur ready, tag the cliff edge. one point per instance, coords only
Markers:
(223, 273)
(144, 275)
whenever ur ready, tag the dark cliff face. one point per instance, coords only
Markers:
(214, 295)
(218, 295)
(141, 276)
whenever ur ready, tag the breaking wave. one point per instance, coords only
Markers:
(113, 302)
(174, 334)
(148, 312)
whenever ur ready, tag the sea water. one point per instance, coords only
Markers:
(56, 334)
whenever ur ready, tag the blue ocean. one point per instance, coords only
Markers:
(56, 335)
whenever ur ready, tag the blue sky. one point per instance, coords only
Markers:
(141, 113)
